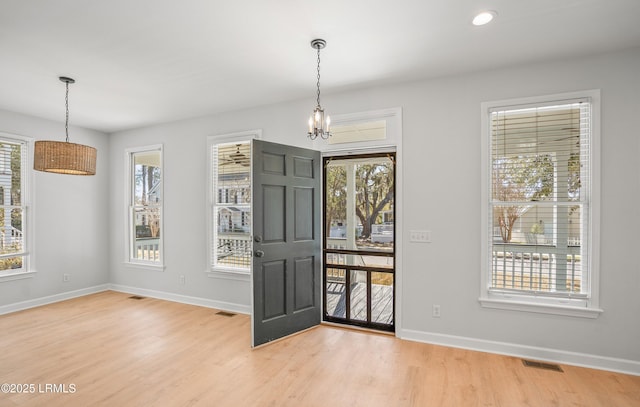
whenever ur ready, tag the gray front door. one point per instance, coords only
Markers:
(286, 233)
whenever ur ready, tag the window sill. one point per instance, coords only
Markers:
(229, 274)
(527, 304)
(20, 275)
(145, 266)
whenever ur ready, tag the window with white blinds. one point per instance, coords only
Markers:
(539, 201)
(13, 210)
(229, 213)
(231, 206)
(145, 202)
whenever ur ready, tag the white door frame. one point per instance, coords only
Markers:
(391, 143)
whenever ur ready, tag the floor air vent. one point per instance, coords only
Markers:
(136, 297)
(225, 313)
(542, 365)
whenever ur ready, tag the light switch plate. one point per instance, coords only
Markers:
(420, 236)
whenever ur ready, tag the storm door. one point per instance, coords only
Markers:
(359, 240)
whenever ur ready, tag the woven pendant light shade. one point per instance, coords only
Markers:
(62, 157)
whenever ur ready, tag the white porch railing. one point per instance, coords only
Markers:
(382, 233)
(233, 251)
(542, 268)
(13, 239)
(147, 249)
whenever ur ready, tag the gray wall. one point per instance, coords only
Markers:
(70, 218)
(441, 167)
(442, 133)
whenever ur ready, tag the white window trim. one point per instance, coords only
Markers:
(26, 271)
(129, 260)
(13, 276)
(217, 271)
(578, 307)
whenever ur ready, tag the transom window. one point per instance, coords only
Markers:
(539, 207)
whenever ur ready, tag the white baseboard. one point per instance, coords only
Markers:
(185, 299)
(529, 352)
(36, 302)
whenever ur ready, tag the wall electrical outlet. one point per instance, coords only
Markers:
(65, 277)
(435, 311)
(182, 280)
(420, 236)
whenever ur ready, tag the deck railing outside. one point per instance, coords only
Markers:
(542, 268)
(147, 249)
(381, 295)
(382, 233)
(12, 239)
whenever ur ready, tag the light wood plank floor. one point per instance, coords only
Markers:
(118, 351)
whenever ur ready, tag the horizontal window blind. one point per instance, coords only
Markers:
(539, 198)
(231, 206)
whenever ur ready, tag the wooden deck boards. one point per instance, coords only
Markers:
(381, 302)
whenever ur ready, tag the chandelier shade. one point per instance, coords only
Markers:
(63, 157)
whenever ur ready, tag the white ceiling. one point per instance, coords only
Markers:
(142, 62)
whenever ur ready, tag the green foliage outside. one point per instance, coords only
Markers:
(336, 195)
(528, 179)
(10, 263)
(146, 178)
(13, 205)
(520, 178)
(16, 180)
(537, 228)
(374, 194)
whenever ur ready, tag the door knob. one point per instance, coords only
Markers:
(257, 239)
(259, 253)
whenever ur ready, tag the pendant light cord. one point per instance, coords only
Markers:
(318, 83)
(66, 103)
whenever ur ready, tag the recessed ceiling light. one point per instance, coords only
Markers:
(484, 18)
